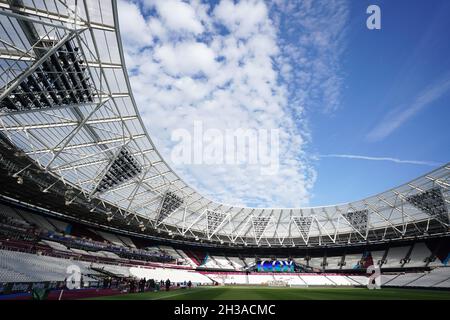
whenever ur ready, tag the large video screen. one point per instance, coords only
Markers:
(275, 266)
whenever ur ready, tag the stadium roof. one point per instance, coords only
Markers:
(66, 103)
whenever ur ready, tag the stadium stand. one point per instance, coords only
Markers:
(333, 263)
(316, 262)
(249, 261)
(73, 192)
(223, 263)
(395, 257)
(27, 267)
(317, 280)
(184, 258)
(237, 263)
(358, 280)
(352, 261)
(35, 267)
(259, 279)
(377, 257)
(431, 279)
(401, 279)
(418, 256)
(174, 275)
(339, 280)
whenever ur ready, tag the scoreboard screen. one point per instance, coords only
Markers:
(275, 266)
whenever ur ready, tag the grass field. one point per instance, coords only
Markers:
(273, 293)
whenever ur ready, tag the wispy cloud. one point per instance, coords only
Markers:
(389, 159)
(399, 115)
(313, 39)
(236, 65)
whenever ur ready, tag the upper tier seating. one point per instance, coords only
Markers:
(210, 263)
(171, 251)
(249, 261)
(37, 220)
(9, 212)
(127, 241)
(352, 261)
(237, 263)
(185, 258)
(333, 263)
(418, 255)
(110, 238)
(316, 262)
(377, 256)
(395, 256)
(223, 263)
(60, 226)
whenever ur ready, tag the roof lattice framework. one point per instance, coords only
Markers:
(66, 102)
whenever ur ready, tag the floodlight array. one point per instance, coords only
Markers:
(123, 168)
(170, 203)
(260, 225)
(358, 220)
(214, 220)
(61, 79)
(431, 202)
(303, 224)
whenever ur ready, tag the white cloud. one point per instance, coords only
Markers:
(228, 67)
(242, 19)
(178, 16)
(313, 43)
(186, 58)
(136, 32)
(398, 116)
(389, 159)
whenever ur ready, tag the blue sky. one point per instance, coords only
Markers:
(387, 70)
(343, 97)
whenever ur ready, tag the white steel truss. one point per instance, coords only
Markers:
(67, 105)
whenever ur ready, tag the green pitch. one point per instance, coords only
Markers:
(273, 293)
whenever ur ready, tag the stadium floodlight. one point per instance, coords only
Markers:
(304, 226)
(432, 203)
(20, 154)
(69, 197)
(358, 220)
(123, 168)
(61, 79)
(169, 204)
(19, 180)
(214, 221)
(259, 226)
